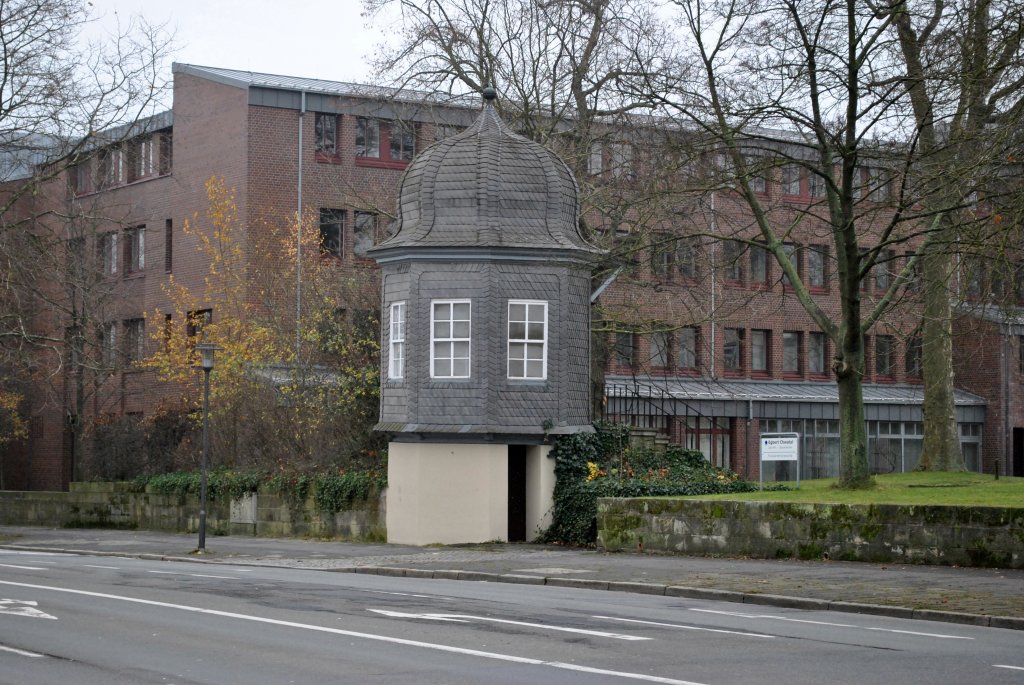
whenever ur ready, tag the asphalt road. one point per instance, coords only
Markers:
(111, 620)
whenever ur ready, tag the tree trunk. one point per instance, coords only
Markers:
(855, 471)
(941, 448)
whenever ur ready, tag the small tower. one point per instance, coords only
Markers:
(485, 350)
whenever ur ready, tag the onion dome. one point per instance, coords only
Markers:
(487, 187)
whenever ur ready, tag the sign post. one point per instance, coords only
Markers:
(779, 447)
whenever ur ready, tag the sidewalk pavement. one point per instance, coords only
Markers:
(988, 597)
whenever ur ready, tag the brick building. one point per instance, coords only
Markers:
(732, 353)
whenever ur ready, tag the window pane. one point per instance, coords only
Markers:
(460, 368)
(442, 329)
(536, 331)
(460, 329)
(535, 352)
(442, 367)
(516, 312)
(516, 330)
(460, 310)
(535, 369)
(516, 368)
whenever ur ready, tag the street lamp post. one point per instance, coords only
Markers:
(206, 350)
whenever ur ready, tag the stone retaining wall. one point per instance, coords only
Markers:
(962, 536)
(116, 505)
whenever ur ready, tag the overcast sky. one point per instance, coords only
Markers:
(324, 39)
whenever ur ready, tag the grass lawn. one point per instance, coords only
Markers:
(955, 489)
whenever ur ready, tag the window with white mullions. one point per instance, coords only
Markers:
(527, 339)
(396, 368)
(449, 338)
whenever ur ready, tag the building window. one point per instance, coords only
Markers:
(661, 349)
(143, 158)
(134, 340)
(625, 349)
(108, 253)
(878, 184)
(816, 185)
(816, 275)
(449, 338)
(403, 141)
(760, 351)
(326, 130)
(168, 245)
(445, 131)
(688, 341)
(396, 362)
(527, 339)
(112, 167)
(884, 355)
(913, 358)
(791, 352)
(367, 138)
(166, 152)
(620, 159)
(758, 265)
(332, 231)
(108, 344)
(817, 353)
(732, 356)
(196, 324)
(686, 257)
(135, 250)
(364, 232)
(732, 265)
(755, 165)
(663, 256)
(387, 142)
(791, 180)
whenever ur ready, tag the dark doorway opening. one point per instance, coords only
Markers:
(1018, 451)
(517, 493)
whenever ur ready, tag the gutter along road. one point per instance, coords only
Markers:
(111, 620)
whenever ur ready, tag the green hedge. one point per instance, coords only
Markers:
(602, 464)
(333, 491)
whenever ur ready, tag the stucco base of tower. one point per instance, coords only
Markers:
(459, 493)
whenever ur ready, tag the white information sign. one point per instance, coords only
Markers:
(780, 447)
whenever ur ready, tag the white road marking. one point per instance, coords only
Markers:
(684, 627)
(405, 594)
(23, 607)
(462, 618)
(24, 568)
(35, 554)
(834, 625)
(22, 652)
(113, 568)
(193, 575)
(1012, 668)
(365, 636)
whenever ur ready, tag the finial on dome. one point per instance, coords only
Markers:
(490, 94)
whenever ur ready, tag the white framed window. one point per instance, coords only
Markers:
(449, 338)
(528, 339)
(396, 362)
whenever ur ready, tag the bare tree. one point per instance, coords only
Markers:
(61, 101)
(963, 78)
(831, 88)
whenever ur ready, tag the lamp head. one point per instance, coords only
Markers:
(206, 351)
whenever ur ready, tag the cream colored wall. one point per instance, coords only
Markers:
(447, 493)
(540, 489)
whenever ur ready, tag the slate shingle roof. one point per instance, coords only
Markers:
(488, 187)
